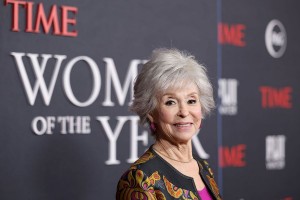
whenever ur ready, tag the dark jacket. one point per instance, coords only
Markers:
(151, 177)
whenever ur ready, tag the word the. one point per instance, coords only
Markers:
(68, 125)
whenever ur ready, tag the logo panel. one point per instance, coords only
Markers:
(275, 38)
(228, 94)
(275, 152)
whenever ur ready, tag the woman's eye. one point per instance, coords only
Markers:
(192, 101)
(169, 103)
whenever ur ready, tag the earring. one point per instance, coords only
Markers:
(152, 127)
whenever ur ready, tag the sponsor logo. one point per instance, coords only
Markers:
(275, 152)
(232, 156)
(275, 38)
(61, 19)
(228, 94)
(233, 34)
(276, 97)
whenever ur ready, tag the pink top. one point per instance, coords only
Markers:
(204, 194)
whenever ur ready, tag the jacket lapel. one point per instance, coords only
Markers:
(208, 178)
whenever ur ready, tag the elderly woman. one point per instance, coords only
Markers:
(172, 94)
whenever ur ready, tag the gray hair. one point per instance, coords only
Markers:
(169, 68)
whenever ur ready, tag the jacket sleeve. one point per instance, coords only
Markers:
(135, 184)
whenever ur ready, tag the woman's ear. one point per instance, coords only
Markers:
(150, 117)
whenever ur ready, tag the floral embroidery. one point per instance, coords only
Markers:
(208, 168)
(178, 192)
(160, 195)
(154, 177)
(214, 186)
(148, 155)
(135, 186)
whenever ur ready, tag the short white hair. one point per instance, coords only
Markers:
(169, 68)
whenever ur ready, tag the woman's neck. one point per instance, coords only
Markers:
(175, 152)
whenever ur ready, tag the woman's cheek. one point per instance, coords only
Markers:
(199, 115)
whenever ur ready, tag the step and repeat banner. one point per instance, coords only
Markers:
(67, 70)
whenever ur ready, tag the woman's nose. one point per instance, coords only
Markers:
(183, 111)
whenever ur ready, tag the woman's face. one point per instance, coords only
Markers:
(178, 114)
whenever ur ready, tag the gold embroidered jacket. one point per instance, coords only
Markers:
(152, 178)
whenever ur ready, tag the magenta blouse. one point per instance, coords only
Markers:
(204, 194)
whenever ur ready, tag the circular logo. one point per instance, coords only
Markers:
(275, 38)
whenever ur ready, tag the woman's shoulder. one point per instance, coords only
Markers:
(144, 160)
(140, 169)
(141, 165)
